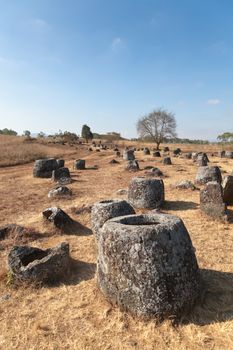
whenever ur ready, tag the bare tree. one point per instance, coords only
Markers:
(159, 124)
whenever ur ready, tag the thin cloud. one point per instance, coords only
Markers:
(118, 44)
(213, 101)
(38, 24)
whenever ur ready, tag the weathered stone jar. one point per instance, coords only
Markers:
(44, 167)
(146, 193)
(167, 161)
(128, 154)
(208, 173)
(80, 164)
(30, 264)
(147, 265)
(108, 209)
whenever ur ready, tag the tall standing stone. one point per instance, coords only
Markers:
(211, 201)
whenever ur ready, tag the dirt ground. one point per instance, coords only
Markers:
(74, 314)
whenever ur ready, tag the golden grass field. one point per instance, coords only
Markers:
(17, 150)
(74, 314)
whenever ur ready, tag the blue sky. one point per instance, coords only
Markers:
(106, 63)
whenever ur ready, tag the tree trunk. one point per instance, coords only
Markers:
(157, 146)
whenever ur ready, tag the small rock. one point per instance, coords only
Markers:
(185, 185)
(154, 172)
(60, 191)
(57, 216)
(122, 191)
(10, 229)
(5, 297)
(113, 161)
(148, 167)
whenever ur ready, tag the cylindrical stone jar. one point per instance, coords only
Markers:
(108, 209)
(79, 164)
(208, 173)
(60, 163)
(44, 167)
(128, 154)
(146, 193)
(167, 161)
(147, 265)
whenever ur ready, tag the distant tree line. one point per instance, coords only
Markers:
(226, 137)
(8, 132)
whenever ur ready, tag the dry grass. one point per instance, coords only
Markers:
(17, 150)
(74, 315)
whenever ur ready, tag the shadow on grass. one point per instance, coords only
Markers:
(80, 271)
(75, 228)
(180, 205)
(216, 302)
(230, 216)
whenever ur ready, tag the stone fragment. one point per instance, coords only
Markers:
(57, 216)
(113, 161)
(60, 191)
(185, 185)
(11, 229)
(34, 265)
(122, 192)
